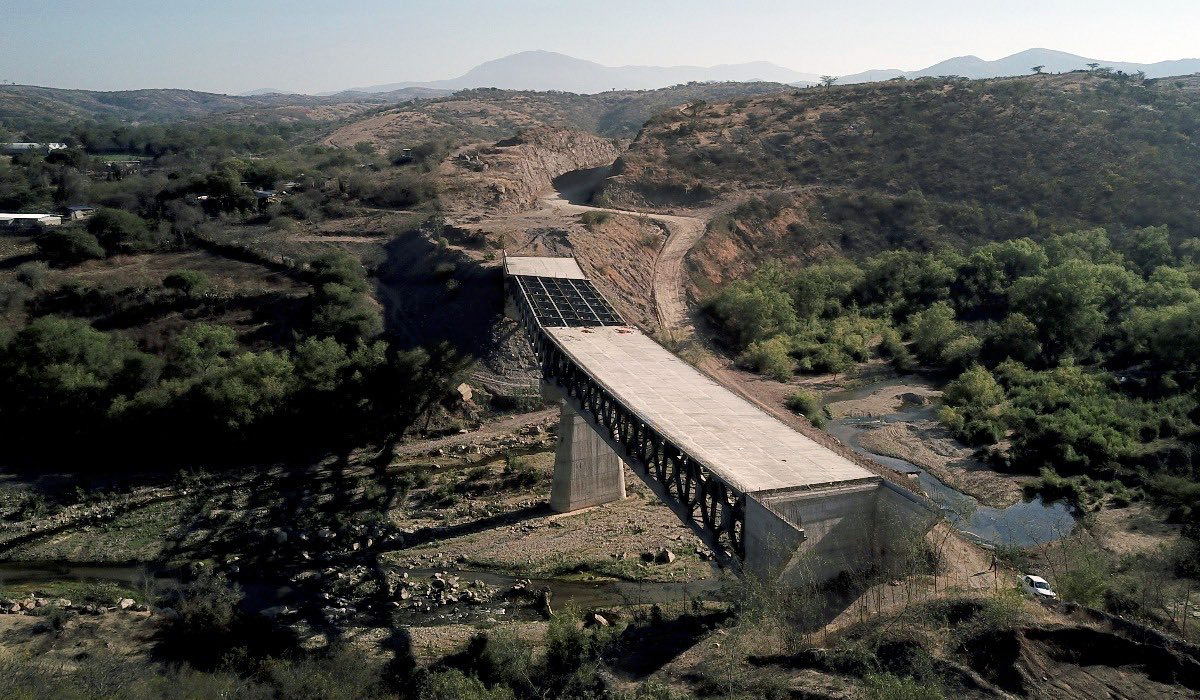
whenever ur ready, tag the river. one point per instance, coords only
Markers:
(1028, 522)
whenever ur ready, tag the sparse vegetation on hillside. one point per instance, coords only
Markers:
(491, 114)
(919, 162)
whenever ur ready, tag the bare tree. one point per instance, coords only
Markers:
(828, 80)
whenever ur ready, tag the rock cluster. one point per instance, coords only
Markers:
(23, 606)
(439, 590)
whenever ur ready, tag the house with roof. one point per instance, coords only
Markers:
(27, 221)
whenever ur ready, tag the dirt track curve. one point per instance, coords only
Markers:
(670, 300)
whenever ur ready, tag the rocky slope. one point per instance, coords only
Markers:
(511, 174)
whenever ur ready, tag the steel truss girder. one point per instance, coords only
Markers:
(712, 505)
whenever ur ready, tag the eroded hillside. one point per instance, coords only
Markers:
(512, 173)
(925, 162)
(488, 114)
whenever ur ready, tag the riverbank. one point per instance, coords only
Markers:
(908, 430)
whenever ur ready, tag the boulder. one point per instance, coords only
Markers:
(915, 399)
(594, 619)
(664, 556)
(126, 603)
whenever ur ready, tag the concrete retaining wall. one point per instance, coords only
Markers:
(812, 536)
(838, 526)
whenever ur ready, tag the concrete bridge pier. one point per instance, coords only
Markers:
(587, 472)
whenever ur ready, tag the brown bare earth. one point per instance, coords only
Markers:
(880, 403)
(1135, 529)
(511, 174)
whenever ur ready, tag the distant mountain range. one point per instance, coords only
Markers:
(546, 70)
(1022, 63)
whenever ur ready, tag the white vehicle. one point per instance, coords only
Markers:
(1037, 587)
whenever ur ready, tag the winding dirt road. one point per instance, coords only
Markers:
(670, 296)
(670, 304)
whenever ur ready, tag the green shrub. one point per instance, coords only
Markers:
(769, 357)
(188, 282)
(885, 686)
(32, 274)
(592, 219)
(454, 685)
(808, 405)
(892, 346)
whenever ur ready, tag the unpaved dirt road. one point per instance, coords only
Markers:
(670, 300)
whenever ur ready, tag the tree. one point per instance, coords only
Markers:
(119, 230)
(828, 80)
(343, 313)
(824, 288)
(189, 282)
(932, 331)
(68, 245)
(1067, 303)
(59, 376)
(1093, 66)
(758, 308)
(1038, 69)
(199, 348)
(1147, 247)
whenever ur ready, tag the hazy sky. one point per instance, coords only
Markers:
(320, 45)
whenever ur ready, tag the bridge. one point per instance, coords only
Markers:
(752, 487)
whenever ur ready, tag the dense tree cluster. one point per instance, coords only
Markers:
(1077, 353)
(68, 389)
(71, 383)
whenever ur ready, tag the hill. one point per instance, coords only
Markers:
(24, 103)
(1023, 62)
(546, 70)
(494, 114)
(926, 162)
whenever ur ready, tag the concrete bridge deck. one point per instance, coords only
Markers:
(746, 482)
(748, 449)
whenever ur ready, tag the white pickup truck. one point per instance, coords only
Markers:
(1037, 587)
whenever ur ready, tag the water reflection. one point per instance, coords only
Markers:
(1021, 524)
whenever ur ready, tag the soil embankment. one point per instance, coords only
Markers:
(510, 175)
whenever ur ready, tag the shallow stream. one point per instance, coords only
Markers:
(1022, 524)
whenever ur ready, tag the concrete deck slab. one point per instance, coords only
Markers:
(748, 449)
(558, 268)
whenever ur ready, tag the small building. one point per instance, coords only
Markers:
(267, 197)
(26, 221)
(80, 212)
(25, 147)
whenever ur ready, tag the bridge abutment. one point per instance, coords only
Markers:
(587, 472)
(746, 483)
